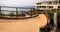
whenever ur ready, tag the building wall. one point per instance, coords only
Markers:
(55, 7)
(48, 4)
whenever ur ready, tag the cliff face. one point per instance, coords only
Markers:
(23, 25)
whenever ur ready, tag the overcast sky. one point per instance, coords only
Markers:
(18, 3)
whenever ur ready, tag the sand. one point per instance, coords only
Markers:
(23, 25)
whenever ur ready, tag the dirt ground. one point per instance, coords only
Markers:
(23, 25)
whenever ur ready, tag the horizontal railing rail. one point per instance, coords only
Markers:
(16, 12)
(16, 7)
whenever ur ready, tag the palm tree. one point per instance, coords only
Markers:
(58, 16)
(53, 17)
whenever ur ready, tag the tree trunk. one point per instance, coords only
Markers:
(55, 22)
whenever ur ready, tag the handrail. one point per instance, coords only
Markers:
(16, 15)
(16, 7)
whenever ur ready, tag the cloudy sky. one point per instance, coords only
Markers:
(18, 3)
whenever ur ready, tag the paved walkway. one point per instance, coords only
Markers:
(23, 25)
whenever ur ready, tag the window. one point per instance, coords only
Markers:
(43, 6)
(55, 2)
(38, 6)
(38, 3)
(50, 2)
(58, 7)
(59, 2)
(50, 6)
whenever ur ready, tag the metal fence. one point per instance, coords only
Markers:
(16, 12)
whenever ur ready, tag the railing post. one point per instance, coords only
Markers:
(0, 10)
(16, 13)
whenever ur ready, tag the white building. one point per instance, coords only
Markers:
(48, 4)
